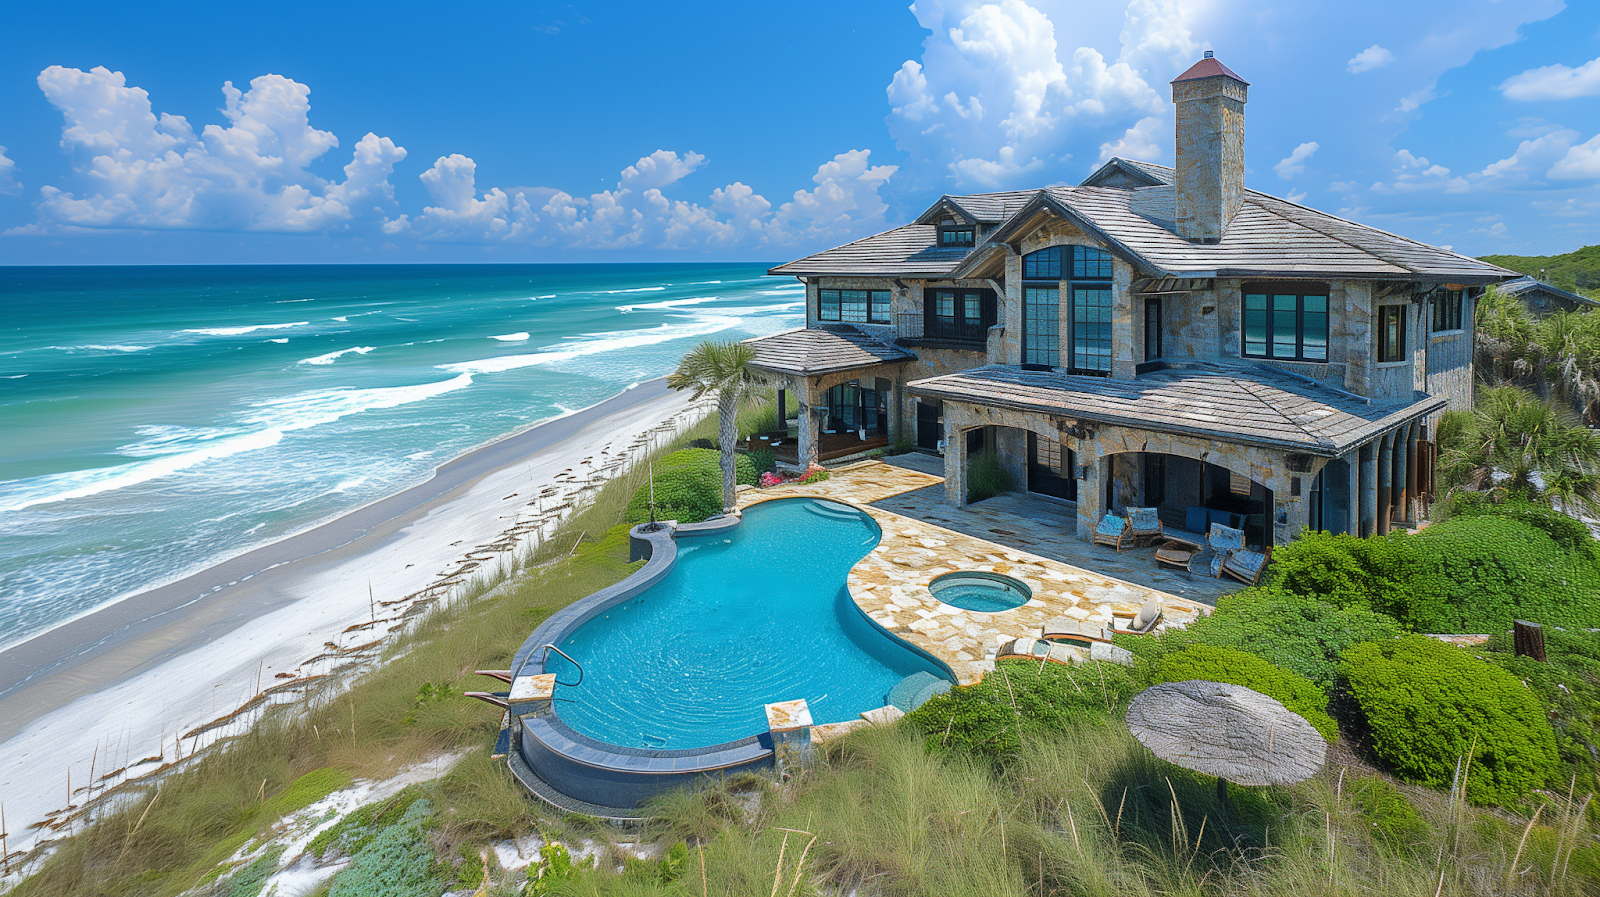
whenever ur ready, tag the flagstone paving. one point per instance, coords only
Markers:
(891, 583)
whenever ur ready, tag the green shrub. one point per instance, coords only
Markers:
(398, 862)
(1568, 685)
(814, 475)
(1349, 571)
(1218, 664)
(986, 477)
(1301, 634)
(761, 461)
(688, 486)
(1395, 822)
(1569, 533)
(1429, 705)
(247, 882)
(992, 717)
(1477, 573)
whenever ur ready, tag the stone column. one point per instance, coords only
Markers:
(1091, 494)
(955, 461)
(896, 413)
(1402, 443)
(1368, 493)
(1385, 484)
(1413, 499)
(808, 437)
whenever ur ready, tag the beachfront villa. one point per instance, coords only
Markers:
(1152, 337)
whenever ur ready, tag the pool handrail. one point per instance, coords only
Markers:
(548, 647)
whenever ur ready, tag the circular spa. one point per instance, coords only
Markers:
(676, 677)
(983, 593)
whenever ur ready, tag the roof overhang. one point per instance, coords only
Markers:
(1043, 205)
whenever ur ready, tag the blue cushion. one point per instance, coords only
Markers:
(1246, 561)
(1225, 538)
(1111, 525)
(1144, 520)
(1195, 519)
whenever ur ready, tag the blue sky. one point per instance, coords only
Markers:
(619, 131)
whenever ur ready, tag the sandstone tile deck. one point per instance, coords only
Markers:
(891, 583)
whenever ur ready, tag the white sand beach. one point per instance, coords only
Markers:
(140, 683)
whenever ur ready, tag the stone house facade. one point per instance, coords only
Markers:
(1153, 336)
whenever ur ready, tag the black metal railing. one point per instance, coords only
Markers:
(944, 330)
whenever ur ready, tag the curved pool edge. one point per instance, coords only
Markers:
(598, 776)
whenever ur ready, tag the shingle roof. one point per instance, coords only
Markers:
(1209, 67)
(809, 352)
(1527, 283)
(907, 251)
(1250, 404)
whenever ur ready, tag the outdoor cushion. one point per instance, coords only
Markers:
(1246, 561)
(1195, 519)
(1111, 525)
(1147, 615)
(1144, 520)
(1225, 538)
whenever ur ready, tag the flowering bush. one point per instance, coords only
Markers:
(771, 478)
(814, 475)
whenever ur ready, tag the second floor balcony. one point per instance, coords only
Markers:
(933, 330)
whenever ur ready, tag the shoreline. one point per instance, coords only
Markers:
(115, 684)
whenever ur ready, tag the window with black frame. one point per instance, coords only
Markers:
(956, 237)
(956, 315)
(1447, 310)
(1084, 272)
(1050, 469)
(853, 306)
(1285, 321)
(1392, 333)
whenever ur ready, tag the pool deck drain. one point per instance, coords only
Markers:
(891, 583)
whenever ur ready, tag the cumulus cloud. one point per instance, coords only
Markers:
(1554, 82)
(1532, 157)
(844, 203)
(8, 179)
(997, 99)
(1373, 57)
(1581, 161)
(1415, 173)
(1296, 161)
(141, 170)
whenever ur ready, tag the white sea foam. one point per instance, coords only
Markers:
(114, 348)
(346, 486)
(418, 456)
(668, 303)
(343, 319)
(13, 377)
(702, 282)
(551, 296)
(281, 339)
(512, 337)
(634, 290)
(235, 331)
(594, 344)
(331, 357)
(186, 448)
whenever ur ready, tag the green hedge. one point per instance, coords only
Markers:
(992, 718)
(1301, 634)
(688, 486)
(1568, 684)
(1218, 664)
(1429, 704)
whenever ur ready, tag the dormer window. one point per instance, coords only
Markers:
(956, 236)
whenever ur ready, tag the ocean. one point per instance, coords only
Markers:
(154, 421)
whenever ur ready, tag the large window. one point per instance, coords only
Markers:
(853, 306)
(1391, 333)
(1085, 274)
(1285, 321)
(956, 237)
(962, 316)
(1447, 310)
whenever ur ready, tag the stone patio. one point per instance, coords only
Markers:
(891, 583)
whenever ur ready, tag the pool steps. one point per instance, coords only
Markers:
(914, 690)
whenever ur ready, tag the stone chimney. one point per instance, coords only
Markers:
(1210, 183)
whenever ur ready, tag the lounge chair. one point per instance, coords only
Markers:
(1114, 531)
(1246, 565)
(1146, 524)
(1223, 540)
(1141, 623)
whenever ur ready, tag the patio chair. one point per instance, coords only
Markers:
(1146, 524)
(1142, 623)
(1246, 565)
(1114, 531)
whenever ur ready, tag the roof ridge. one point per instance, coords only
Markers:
(1250, 386)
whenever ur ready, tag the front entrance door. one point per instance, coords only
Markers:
(929, 427)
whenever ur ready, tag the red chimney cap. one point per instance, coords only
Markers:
(1209, 67)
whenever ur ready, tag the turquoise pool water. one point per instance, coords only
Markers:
(984, 593)
(748, 617)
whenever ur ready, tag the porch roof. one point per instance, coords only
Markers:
(1246, 404)
(810, 352)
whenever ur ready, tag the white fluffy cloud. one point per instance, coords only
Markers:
(1373, 57)
(997, 99)
(1554, 82)
(1533, 157)
(1581, 161)
(140, 170)
(844, 203)
(1414, 173)
(8, 177)
(1296, 161)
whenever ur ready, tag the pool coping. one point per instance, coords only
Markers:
(531, 712)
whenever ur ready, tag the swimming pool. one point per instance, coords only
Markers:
(751, 615)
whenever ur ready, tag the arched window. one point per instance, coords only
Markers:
(1084, 273)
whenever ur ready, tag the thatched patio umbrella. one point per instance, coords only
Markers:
(1227, 731)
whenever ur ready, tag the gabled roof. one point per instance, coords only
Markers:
(1269, 237)
(1527, 284)
(1209, 67)
(807, 353)
(1249, 404)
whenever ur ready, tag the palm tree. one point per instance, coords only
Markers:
(1514, 442)
(722, 367)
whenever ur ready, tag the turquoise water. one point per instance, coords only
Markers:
(978, 594)
(748, 618)
(159, 419)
